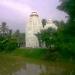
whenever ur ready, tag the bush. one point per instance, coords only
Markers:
(8, 44)
(11, 44)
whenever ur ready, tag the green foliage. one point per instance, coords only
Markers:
(7, 41)
(60, 43)
(11, 44)
(49, 39)
(8, 44)
(46, 37)
(36, 53)
(68, 6)
(20, 38)
(68, 37)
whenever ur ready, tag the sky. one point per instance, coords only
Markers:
(16, 12)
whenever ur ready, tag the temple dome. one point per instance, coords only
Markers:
(34, 14)
(50, 24)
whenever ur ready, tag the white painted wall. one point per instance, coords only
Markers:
(34, 26)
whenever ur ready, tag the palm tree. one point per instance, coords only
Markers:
(4, 29)
(17, 35)
(10, 32)
(44, 22)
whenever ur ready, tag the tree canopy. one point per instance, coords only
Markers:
(68, 6)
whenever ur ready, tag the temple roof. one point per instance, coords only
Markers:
(34, 14)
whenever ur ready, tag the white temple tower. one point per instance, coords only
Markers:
(50, 24)
(33, 26)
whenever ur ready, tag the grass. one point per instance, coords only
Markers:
(31, 53)
(10, 64)
(13, 61)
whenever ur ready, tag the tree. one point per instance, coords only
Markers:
(17, 35)
(10, 32)
(44, 21)
(7, 42)
(68, 6)
(47, 39)
(4, 29)
(20, 38)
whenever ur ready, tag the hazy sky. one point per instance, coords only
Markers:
(15, 12)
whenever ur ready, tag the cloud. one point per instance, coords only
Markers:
(21, 8)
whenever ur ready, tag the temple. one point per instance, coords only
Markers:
(34, 25)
